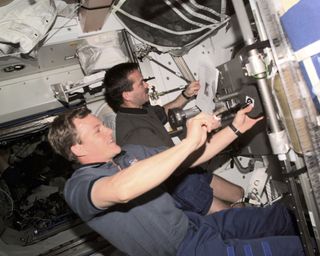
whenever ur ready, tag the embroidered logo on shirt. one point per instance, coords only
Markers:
(133, 161)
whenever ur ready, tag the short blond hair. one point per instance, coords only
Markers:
(63, 134)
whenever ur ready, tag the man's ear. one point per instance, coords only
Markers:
(78, 150)
(126, 96)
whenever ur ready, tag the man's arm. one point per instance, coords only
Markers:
(182, 100)
(223, 138)
(146, 174)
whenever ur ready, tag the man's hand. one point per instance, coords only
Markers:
(192, 89)
(199, 126)
(242, 122)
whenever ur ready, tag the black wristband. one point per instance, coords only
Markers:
(185, 96)
(235, 130)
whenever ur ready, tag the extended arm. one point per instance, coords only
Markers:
(144, 175)
(181, 100)
(224, 137)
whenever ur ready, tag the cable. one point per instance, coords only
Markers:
(11, 201)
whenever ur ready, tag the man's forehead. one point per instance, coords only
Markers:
(135, 76)
(89, 120)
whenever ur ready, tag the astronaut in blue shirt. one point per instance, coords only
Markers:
(119, 193)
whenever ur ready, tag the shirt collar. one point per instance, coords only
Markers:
(109, 163)
(133, 110)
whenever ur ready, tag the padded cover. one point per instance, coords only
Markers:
(171, 24)
(23, 24)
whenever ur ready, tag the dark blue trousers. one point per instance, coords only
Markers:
(193, 192)
(268, 231)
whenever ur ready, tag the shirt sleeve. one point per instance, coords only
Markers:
(77, 192)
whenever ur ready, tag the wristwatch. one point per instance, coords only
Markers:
(235, 130)
(183, 93)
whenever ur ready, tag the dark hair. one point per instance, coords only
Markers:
(116, 82)
(63, 134)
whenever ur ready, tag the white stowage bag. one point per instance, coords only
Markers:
(100, 52)
(23, 24)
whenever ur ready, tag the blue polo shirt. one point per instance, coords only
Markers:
(147, 225)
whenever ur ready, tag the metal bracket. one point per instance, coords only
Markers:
(65, 91)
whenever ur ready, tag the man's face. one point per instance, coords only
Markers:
(139, 94)
(97, 142)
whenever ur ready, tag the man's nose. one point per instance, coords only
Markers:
(146, 85)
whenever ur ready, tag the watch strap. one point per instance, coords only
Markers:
(235, 130)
